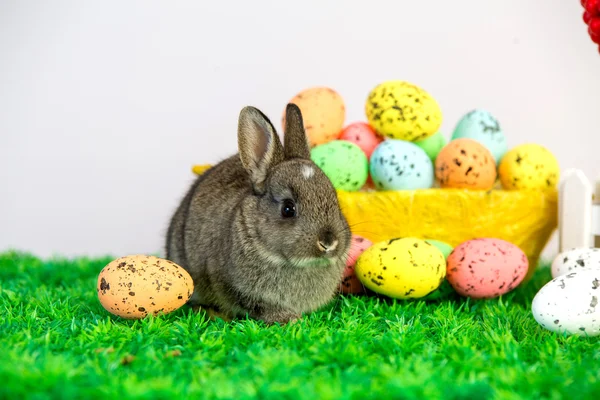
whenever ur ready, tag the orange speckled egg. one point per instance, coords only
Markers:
(465, 164)
(486, 268)
(134, 286)
(323, 113)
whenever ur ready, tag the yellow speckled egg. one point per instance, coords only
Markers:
(402, 268)
(401, 110)
(134, 286)
(529, 166)
(465, 164)
(323, 113)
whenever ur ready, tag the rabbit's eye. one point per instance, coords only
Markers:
(288, 209)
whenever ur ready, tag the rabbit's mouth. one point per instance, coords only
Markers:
(310, 262)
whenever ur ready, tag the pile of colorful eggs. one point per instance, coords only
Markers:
(400, 146)
(413, 268)
(570, 303)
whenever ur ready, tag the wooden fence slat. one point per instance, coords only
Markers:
(575, 211)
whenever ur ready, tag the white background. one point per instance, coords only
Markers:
(105, 106)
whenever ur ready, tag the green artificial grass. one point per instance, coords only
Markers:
(58, 342)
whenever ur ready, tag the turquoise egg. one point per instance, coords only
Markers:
(481, 126)
(401, 165)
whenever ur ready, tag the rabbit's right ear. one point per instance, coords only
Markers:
(294, 136)
(259, 146)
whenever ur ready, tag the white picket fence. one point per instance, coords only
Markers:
(578, 211)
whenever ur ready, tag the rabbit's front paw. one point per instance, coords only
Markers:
(282, 317)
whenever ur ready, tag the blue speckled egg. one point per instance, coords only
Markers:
(481, 126)
(400, 165)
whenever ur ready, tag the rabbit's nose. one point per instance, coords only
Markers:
(327, 242)
(327, 247)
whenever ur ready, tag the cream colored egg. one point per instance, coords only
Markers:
(135, 286)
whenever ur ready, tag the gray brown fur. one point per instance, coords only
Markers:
(229, 233)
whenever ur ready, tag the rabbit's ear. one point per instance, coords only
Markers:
(294, 137)
(259, 146)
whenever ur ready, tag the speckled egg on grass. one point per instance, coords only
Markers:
(486, 268)
(401, 110)
(350, 283)
(432, 145)
(529, 166)
(323, 113)
(135, 286)
(465, 164)
(481, 126)
(362, 135)
(575, 260)
(569, 304)
(344, 163)
(400, 165)
(406, 268)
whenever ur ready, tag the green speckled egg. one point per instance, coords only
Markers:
(344, 163)
(445, 288)
(432, 145)
(401, 110)
(444, 247)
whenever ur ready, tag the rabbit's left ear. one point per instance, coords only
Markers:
(259, 146)
(294, 137)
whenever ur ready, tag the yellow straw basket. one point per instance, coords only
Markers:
(524, 218)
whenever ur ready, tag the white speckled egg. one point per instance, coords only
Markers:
(400, 165)
(569, 304)
(574, 260)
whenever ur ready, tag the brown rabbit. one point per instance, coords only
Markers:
(261, 233)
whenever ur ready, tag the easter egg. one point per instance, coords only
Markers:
(135, 286)
(432, 145)
(350, 283)
(445, 288)
(575, 260)
(444, 247)
(465, 164)
(401, 268)
(400, 165)
(344, 163)
(529, 166)
(486, 268)
(481, 126)
(323, 114)
(568, 304)
(362, 135)
(401, 110)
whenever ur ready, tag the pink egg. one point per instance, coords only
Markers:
(486, 268)
(361, 134)
(350, 283)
